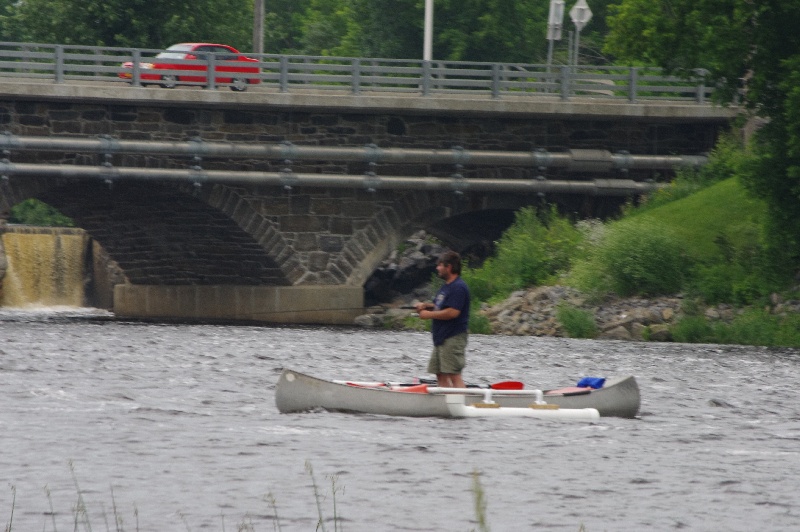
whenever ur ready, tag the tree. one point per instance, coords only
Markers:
(283, 25)
(138, 23)
(751, 50)
(389, 28)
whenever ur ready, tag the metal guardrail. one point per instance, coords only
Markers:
(68, 63)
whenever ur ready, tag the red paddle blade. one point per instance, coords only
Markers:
(507, 385)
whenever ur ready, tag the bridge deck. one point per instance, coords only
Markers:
(265, 96)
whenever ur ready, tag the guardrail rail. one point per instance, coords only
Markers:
(285, 73)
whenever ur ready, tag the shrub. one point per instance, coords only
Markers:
(788, 334)
(478, 323)
(537, 247)
(743, 274)
(35, 212)
(753, 327)
(692, 329)
(577, 322)
(633, 259)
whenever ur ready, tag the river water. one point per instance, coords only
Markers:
(174, 427)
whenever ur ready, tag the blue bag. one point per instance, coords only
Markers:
(591, 382)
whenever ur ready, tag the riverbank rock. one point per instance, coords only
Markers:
(406, 268)
(534, 312)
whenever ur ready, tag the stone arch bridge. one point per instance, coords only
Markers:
(293, 237)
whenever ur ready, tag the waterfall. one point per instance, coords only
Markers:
(45, 267)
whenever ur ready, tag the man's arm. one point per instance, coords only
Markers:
(448, 313)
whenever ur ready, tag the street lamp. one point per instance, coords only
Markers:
(427, 47)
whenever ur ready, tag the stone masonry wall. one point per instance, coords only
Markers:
(502, 133)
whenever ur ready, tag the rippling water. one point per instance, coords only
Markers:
(174, 427)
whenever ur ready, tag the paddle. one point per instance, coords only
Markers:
(502, 385)
(507, 385)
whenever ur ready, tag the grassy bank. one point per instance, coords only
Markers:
(704, 237)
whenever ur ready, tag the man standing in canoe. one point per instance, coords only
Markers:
(450, 314)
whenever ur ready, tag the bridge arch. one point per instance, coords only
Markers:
(166, 234)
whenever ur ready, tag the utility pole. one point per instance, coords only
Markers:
(258, 26)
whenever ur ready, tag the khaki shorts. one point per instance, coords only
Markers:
(449, 357)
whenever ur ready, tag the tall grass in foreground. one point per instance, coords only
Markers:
(480, 502)
(81, 515)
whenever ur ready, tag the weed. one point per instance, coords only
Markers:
(577, 322)
(317, 498)
(13, 504)
(480, 501)
(276, 524)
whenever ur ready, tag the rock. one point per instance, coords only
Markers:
(660, 333)
(369, 320)
(667, 314)
(617, 333)
(638, 331)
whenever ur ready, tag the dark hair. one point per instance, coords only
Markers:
(453, 259)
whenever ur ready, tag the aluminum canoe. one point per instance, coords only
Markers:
(298, 392)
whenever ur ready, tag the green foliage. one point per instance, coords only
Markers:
(128, 22)
(537, 247)
(577, 322)
(327, 29)
(34, 212)
(283, 20)
(634, 259)
(468, 30)
(753, 327)
(725, 161)
(736, 41)
(692, 329)
(478, 323)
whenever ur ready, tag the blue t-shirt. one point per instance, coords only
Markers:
(454, 295)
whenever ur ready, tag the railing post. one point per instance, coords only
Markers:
(59, 66)
(426, 78)
(136, 79)
(701, 87)
(211, 79)
(633, 79)
(283, 79)
(356, 76)
(565, 82)
(495, 81)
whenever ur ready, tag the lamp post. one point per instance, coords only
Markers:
(427, 47)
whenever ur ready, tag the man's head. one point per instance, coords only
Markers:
(452, 259)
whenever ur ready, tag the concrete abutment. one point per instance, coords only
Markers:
(325, 305)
